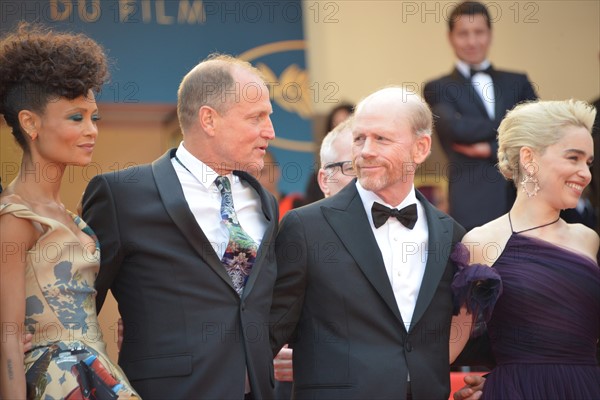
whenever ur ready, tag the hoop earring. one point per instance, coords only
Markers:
(527, 181)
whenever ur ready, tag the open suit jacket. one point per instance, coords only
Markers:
(334, 302)
(188, 335)
(478, 193)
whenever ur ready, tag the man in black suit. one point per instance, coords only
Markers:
(470, 102)
(364, 300)
(192, 328)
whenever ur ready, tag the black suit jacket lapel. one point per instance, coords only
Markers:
(265, 246)
(348, 219)
(172, 196)
(471, 94)
(439, 246)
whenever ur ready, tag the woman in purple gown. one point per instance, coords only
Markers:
(543, 310)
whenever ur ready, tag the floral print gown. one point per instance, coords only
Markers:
(68, 359)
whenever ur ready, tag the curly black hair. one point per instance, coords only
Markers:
(38, 64)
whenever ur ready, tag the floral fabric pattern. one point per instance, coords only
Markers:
(241, 249)
(68, 359)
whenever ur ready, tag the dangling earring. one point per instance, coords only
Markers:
(530, 180)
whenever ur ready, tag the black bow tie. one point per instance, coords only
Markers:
(487, 70)
(407, 216)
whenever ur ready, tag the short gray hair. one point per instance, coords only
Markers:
(207, 84)
(332, 136)
(419, 114)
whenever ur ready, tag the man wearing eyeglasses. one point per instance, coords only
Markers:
(336, 164)
(363, 281)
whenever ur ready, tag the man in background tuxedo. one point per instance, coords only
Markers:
(364, 297)
(470, 102)
(195, 299)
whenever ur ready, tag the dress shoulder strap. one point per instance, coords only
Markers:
(22, 211)
(510, 222)
(535, 227)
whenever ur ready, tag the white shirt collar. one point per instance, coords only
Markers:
(465, 69)
(201, 171)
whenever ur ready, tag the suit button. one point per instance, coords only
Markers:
(408, 347)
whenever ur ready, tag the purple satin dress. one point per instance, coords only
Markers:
(545, 324)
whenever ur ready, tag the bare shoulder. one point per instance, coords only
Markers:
(486, 242)
(584, 239)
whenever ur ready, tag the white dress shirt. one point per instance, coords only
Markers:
(404, 250)
(482, 83)
(204, 199)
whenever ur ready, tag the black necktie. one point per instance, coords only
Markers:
(407, 216)
(487, 70)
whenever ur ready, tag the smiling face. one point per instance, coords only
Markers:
(244, 129)
(66, 132)
(471, 38)
(564, 168)
(386, 151)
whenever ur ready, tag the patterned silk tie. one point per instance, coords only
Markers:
(241, 249)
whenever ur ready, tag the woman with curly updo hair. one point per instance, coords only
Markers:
(50, 257)
(541, 296)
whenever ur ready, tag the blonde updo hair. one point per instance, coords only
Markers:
(537, 125)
